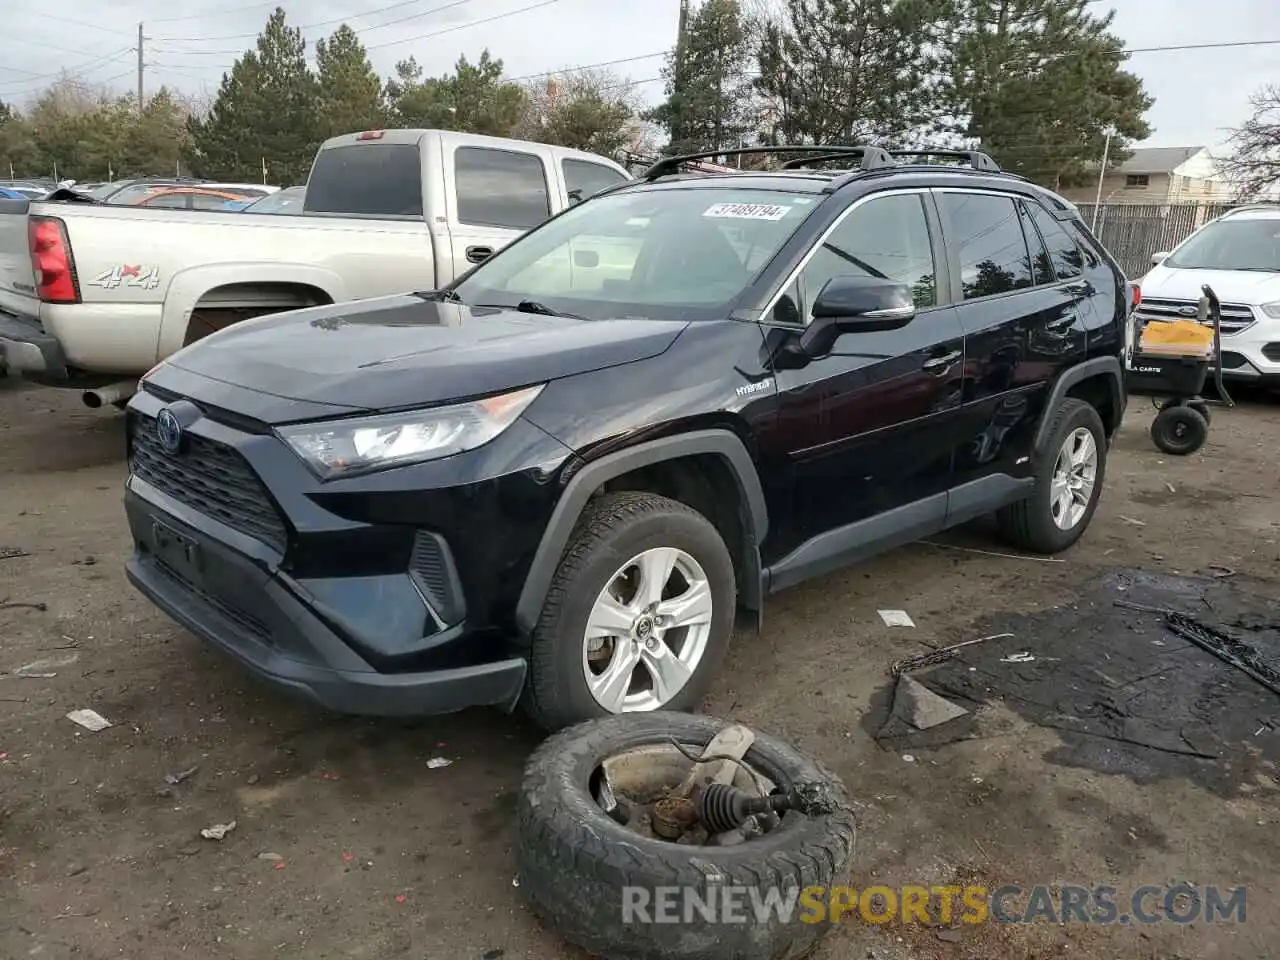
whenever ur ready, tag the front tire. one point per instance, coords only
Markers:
(638, 617)
(1068, 483)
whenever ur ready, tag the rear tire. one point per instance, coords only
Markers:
(1038, 523)
(614, 530)
(1180, 431)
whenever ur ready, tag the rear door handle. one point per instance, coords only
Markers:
(944, 361)
(479, 254)
(1063, 323)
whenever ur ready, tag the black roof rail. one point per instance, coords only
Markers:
(975, 158)
(871, 156)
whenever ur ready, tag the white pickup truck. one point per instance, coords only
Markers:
(92, 295)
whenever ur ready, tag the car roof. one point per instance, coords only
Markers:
(1261, 211)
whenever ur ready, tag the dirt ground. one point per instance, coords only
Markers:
(374, 856)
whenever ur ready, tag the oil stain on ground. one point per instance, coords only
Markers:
(1126, 695)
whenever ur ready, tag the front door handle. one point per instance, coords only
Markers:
(479, 254)
(942, 362)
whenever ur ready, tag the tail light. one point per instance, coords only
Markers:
(51, 261)
(371, 135)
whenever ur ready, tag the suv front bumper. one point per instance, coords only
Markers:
(270, 626)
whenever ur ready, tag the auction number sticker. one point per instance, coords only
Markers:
(747, 211)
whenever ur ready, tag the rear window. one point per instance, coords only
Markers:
(367, 179)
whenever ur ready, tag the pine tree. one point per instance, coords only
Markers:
(265, 110)
(849, 71)
(1039, 83)
(709, 97)
(474, 98)
(584, 110)
(350, 90)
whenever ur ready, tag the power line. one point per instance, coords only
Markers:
(77, 23)
(76, 74)
(326, 23)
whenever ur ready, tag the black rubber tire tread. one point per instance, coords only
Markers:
(546, 700)
(1165, 424)
(1199, 406)
(1028, 524)
(573, 861)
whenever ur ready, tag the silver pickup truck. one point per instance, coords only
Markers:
(92, 296)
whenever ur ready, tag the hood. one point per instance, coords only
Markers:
(1231, 286)
(404, 351)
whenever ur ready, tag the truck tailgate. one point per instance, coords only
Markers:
(17, 277)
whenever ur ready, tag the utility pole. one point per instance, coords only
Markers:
(1102, 173)
(139, 69)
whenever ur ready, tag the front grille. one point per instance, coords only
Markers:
(210, 478)
(1235, 316)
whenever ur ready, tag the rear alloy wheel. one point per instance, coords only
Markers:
(1068, 483)
(638, 616)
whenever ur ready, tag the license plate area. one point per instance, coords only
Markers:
(177, 551)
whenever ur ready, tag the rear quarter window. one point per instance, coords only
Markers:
(367, 179)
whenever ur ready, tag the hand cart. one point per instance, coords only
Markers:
(1171, 360)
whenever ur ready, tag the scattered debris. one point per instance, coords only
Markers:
(1226, 648)
(921, 707)
(435, 763)
(273, 857)
(218, 830)
(12, 553)
(76, 869)
(1136, 523)
(89, 719)
(45, 668)
(177, 778)
(1221, 572)
(937, 656)
(1021, 657)
(950, 936)
(7, 604)
(992, 553)
(908, 758)
(896, 618)
(1170, 486)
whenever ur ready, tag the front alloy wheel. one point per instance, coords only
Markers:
(647, 631)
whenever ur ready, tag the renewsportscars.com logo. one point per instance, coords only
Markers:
(1066, 903)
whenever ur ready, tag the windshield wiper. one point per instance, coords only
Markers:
(532, 306)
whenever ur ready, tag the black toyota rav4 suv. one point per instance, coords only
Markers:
(559, 480)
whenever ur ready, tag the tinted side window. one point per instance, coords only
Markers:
(987, 242)
(202, 201)
(500, 188)
(583, 179)
(1067, 260)
(367, 179)
(172, 201)
(886, 238)
(1041, 265)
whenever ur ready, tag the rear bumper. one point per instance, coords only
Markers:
(272, 627)
(28, 350)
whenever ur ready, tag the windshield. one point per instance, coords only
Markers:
(667, 254)
(1252, 244)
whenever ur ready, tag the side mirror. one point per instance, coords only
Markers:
(1158, 258)
(851, 305)
(587, 259)
(865, 303)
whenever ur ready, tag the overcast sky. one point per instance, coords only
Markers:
(191, 42)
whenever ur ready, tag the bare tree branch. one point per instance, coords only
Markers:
(1254, 166)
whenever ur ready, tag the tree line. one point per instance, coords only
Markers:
(1039, 84)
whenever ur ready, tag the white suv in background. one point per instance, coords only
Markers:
(1238, 254)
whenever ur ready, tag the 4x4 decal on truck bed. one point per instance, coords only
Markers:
(129, 275)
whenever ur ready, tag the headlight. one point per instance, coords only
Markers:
(1272, 310)
(343, 447)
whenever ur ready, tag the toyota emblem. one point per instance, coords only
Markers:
(169, 431)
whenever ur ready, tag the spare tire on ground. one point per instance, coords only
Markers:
(621, 892)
